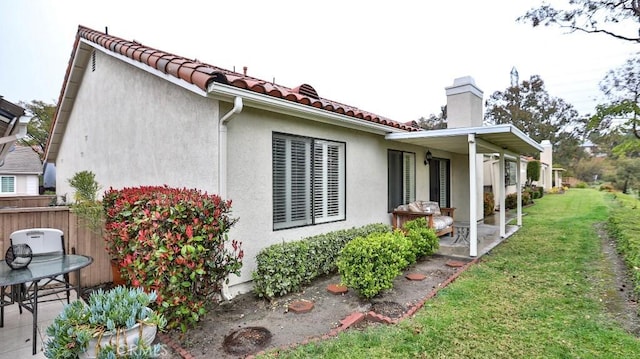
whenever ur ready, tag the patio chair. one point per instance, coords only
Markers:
(439, 218)
(45, 243)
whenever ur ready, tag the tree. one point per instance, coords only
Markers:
(589, 169)
(533, 172)
(530, 108)
(39, 126)
(591, 16)
(434, 122)
(622, 88)
(627, 174)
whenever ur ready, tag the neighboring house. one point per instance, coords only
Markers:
(294, 164)
(13, 126)
(20, 172)
(492, 177)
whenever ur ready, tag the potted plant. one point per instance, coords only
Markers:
(114, 323)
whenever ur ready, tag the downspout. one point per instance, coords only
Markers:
(222, 165)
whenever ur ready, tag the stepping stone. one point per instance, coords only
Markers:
(415, 276)
(337, 289)
(301, 306)
(455, 264)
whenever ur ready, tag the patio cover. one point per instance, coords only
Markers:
(505, 140)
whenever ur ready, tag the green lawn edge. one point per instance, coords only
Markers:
(540, 294)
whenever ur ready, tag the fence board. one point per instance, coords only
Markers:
(78, 238)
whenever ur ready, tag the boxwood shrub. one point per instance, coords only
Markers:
(424, 241)
(285, 267)
(370, 264)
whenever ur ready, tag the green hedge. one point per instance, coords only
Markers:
(284, 268)
(424, 241)
(370, 264)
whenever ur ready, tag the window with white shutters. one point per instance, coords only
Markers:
(308, 181)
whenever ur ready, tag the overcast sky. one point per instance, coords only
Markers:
(392, 58)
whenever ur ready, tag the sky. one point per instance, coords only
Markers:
(391, 58)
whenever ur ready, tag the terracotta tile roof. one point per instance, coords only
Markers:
(201, 75)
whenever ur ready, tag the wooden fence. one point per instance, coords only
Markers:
(78, 238)
(27, 201)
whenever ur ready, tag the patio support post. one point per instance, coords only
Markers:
(473, 218)
(519, 185)
(501, 194)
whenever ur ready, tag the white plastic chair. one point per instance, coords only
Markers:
(45, 243)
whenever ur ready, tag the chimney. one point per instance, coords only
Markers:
(546, 156)
(464, 103)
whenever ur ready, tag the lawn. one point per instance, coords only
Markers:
(538, 295)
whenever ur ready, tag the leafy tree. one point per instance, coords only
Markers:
(434, 122)
(622, 88)
(530, 108)
(588, 169)
(627, 174)
(533, 172)
(590, 16)
(39, 126)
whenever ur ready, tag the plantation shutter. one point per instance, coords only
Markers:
(291, 181)
(409, 177)
(328, 183)
(444, 187)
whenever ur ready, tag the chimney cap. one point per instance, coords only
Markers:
(463, 85)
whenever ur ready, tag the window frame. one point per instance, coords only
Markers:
(408, 175)
(320, 181)
(14, 184)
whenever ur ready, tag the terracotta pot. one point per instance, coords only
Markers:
(115, 271)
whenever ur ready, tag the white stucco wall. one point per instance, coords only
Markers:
(250, 179)
(131, 128)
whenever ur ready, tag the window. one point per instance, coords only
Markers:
(7, 184)
(509, 173)
(308, 181)
(402, 178)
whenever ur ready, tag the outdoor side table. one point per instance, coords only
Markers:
(462, 232)
(42, 267)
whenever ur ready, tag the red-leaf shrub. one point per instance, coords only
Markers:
(173, 241)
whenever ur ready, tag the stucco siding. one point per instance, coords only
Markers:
(132, 128)
(250, 179)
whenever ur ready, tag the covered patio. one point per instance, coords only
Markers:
(469, 144)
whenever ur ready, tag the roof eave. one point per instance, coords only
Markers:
(270, 103)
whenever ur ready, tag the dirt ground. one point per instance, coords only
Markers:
(246, 312)
(247, 324)
(619, 297)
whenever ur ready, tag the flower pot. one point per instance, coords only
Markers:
(115, 271)
(126, 340)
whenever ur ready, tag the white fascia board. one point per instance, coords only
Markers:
(270, 103)
(463, 131)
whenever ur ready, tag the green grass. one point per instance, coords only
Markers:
(624, 218)
(538, 295)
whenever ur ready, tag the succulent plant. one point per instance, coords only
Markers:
(112, 311)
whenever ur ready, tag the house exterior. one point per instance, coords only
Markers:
(20, 171)
(293, 163)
